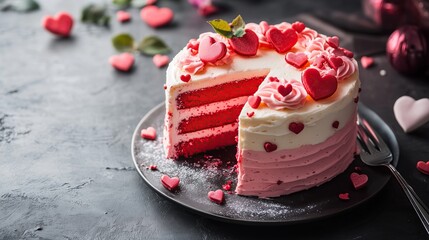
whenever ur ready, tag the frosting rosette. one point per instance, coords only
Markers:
(280, 94)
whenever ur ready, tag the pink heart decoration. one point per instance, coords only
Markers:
(270, 147)
(211, 51)
(156, 17)
(254, 101)
(367, 61)
(344, 196)
(170, 183)
(185, 78)
(160, 60)
(335, 62)
(333, 41)
(359, 180)
(318, 87)
(423, 167)
(284, 90)
(216, 196)
(282, 41)
(122, 62)
(246, 45)
(297, 60)
(250, 114)
(298, 26)
(296, 127)
(148, 133)
(411, 114)
(60, 25)
(123, 16)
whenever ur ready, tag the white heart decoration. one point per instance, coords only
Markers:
(411, 114)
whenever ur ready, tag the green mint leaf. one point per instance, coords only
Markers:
(239, 32)
(237, 26)
(138, 3)
(122, 3)
(95, 14)
(20, 5)
(152, 45)
(123, 42)
(222, 27)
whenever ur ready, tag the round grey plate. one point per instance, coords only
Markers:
(204, 172)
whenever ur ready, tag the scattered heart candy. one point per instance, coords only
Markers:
(123, 16)
(366, 61)
(423, 167)
(318, 87)
(359, 180)
(344, 196)
(216, 196)
(60, 25)
(160, 60)
(282, 41)
(185, 78)
(284, 90)
(297, 60)
(156, 17)
(333, 41)
(122, 62)
(170, 183)
(411, 114)
(254, 101)
(247, 45)
(335, 124)
(211, 51)
(335, 62)
(298, 26)
(270, 147)
(296, 127)
(250, 114)
(148, 133)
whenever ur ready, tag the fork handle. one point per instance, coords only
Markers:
(421, 209)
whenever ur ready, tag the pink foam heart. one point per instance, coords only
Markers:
(246, 45)
(296, 127)
(366, 61)
(185, 78)
(123, 16)
(156, 17)
(270, 147)
(148, 133)
(170, 183)
(297, 60)
(60, 25)
(298, 26)
(254, 101)
(411, 114)
(333, 41)
(216, 196)
(317, 86)
(282, 41)
(335, 62)
(344, 196)
(160, 60)
(122, 62)
(359, 180)
(211, 51)
(284, 90)
(423, 167)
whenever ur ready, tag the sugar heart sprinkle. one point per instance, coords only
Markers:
(185, 78)
(335, 124)
(297, 60)
(296, 127)
(344, 196)
(410, 113)
(333, 41)
(160, 60)
(123, 16)
(250, 114)
(358, 180)
(216, 196)
(270, 147)
(423, 167)
(284, 90)
(148, 133)
(156, 17)
(60, 25)
(123, 62)
(170, 183)
(367, 62)
(298, 26)
(254, 101)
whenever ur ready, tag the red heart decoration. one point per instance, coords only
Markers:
(156, 17)
(297, 60)
(210, 51)
(254, 101)
(333, 41)
(318, 87)
(247, 45)
(122, 62)
(185, 78)
(344, 196)
(335, 62)
(270, 147)
(123, 16)
(298, 26)
(335, 124)
(284, 90)
(282, 41)
(170, 183)
(216, 196)
(296, 127)
(423, 167)
(148, 133)
(60, 25)
(366, 61)
(359, 180)
(160, 60)
(250, 114)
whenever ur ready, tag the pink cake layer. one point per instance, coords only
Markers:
(287, 171)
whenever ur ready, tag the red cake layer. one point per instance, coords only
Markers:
(219, 92)
(214, 119)
(198, 145)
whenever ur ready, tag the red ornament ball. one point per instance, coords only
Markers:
(407, 49)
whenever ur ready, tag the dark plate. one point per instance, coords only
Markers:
(202, 173)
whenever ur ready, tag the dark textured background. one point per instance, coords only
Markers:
(66, 120)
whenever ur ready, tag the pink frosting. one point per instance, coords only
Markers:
(318, 59)
(271, 96)
(261, 29)
(306, 37)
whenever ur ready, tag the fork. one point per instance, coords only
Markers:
(375, 152)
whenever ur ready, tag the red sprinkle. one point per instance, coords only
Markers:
(298, 26)
(165, 87)
(170, 183)
(348, 53)
(153, 167)
(333, 41)
(254, 101)
(273, 79)
(216, 196)
(358, 169)
(423, 167)
(356, 99)
(335, 124)
(367, 62)
(296, 127)
(270, 147)
(285, 90)
(359, 180)
(185, 78)
(148, 133)
(279, 182)
(250, 114)
(344, 196)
